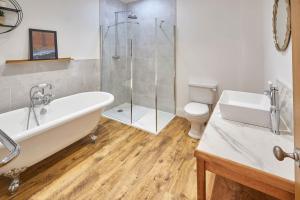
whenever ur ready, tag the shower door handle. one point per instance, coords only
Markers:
(12, 147)
(131, 79)
(131, 47)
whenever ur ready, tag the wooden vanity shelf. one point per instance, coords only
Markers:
(33, 61)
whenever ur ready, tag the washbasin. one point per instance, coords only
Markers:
(249, 108)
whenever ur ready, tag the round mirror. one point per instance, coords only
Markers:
(282, 24)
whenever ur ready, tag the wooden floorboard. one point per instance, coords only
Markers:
(125, 163)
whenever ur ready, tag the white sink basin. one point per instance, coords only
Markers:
(249, 108)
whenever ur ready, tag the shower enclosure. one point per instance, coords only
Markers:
(138, 68)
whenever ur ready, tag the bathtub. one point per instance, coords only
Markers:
(67, 120)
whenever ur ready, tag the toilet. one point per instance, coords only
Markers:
(202, 96)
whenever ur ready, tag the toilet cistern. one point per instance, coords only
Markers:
(201, 95)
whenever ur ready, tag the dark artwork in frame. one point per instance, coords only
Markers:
(43, 44)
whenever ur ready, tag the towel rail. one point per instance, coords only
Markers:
(12, 147)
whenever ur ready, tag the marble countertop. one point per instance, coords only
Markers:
(247, 145)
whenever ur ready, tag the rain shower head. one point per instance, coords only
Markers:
(132, 16)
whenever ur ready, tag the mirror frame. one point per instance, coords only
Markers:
(288, 26)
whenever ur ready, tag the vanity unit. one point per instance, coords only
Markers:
(244, 153)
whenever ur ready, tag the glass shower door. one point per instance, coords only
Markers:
(166, 72)
(143, 90)
(138, 68)
(115, 71)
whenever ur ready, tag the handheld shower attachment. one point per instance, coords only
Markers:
(132, 16)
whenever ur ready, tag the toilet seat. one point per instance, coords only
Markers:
(196, 109)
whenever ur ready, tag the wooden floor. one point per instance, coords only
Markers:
(125, 163)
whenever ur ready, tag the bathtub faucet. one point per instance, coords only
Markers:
(38, 96)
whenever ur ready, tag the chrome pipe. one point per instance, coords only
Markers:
(37, 96)
(101, 52)
(156, 74)
(28, 117)
(131, 80)
(273, 94)
(175, 67)
(116, 56)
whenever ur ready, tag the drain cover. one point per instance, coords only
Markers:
(121, 110)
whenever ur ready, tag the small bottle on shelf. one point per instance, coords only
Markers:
(2, 17)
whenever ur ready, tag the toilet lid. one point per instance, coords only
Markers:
(196, 109)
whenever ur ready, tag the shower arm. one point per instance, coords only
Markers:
(116, 34)
(110, 26)
(119, 23)
(124, 11)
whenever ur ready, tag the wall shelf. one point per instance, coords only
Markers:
(7, 26)
(10, 9)
(33, 61)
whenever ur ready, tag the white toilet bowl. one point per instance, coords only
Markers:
(198, 115)
(197, 112)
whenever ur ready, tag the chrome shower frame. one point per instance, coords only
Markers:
(103, 34)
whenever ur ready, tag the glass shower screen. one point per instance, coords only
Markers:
(138, 68)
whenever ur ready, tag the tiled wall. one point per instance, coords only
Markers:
(67, 77)
(146, 43)
(116, 73)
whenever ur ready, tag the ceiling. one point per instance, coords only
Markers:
(128, 1)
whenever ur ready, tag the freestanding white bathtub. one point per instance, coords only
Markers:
(67, 120)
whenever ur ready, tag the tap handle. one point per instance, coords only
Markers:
(46, 85)
(281, 155)
(267, 93)
(43, 85)
(47, 99)
(270, 84)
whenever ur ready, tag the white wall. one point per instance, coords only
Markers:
(76, 23)
(278, 65)
(77, 26)
(219, 41)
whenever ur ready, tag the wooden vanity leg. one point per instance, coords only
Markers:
(201, 180)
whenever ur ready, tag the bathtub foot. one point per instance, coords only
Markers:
(93, 138)
(14, 185)
(14, 175)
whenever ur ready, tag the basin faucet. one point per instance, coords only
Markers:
(273, 94)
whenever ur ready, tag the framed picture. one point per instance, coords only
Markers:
(43, 44)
